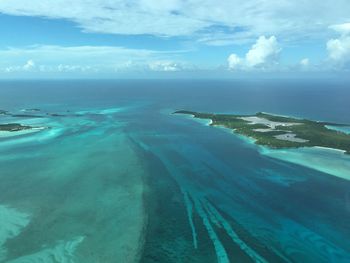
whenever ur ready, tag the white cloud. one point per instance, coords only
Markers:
(264, 54)
(222, 38)
(69, 68)
(339, 48)
(285, 19)
(264, 51)
(234, 61)
(111, 16)
(131, 65)
(305, 65)
(86, 59)
(29, 65)
(305, 62)
(75, 54)
(342, 28)
(170, 66)
(165, 66)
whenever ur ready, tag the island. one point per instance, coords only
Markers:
(10, 128)
(14, 127)
(31, 116)
(276, 131)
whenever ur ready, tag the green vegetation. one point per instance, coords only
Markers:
(32, 113)
(13, 127)
(299, 132)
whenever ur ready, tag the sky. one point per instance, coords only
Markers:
(173, 38)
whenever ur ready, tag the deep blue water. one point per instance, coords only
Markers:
(209, 195)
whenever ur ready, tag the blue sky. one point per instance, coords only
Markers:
(117, 38)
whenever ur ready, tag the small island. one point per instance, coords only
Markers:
(14, 127)
(32, 113)
(10, 128)
(279, 131)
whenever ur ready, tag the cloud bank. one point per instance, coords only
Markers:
(211, 21)
(268, 24)
(46, 58)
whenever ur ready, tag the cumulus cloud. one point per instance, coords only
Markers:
(339, 48)
(288, 19)
(305, 62)
(234, 61)
(165, 66)
(264, 51)
(86, 59)
(29, 65)
(305, 65)
(264, 54)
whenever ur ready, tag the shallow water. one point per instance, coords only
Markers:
(121, 179)
(339, 128)
(330, 161)
(80, 183)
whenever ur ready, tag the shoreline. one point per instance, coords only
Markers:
(251, 140)
(282, 132)
(343, 129)
(332, 161)
(206, 122)
(329, 149)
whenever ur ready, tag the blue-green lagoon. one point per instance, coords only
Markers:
(113, 176)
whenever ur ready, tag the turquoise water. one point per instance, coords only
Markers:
(118, 178)
(345, 129)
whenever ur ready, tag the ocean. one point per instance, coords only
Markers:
(116, 177)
